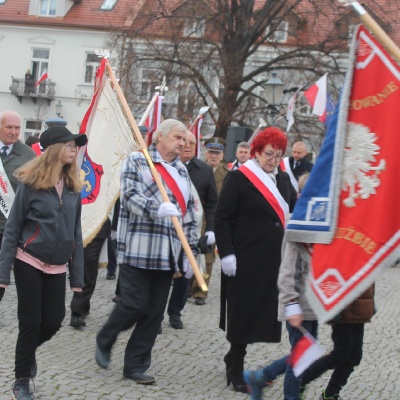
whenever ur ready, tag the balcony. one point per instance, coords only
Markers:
(20, 89)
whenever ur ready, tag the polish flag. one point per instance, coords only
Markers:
(290, 112)
(304, 353)
(195, 128)
(154, 117)
(42, 78)
(316, 96)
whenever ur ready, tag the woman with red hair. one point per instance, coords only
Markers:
(249, 228)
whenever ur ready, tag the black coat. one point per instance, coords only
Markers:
(202, 176)
(246, 225)
(302, 168)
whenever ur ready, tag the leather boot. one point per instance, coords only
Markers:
(234, 373)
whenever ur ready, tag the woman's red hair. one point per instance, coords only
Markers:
(271, 135)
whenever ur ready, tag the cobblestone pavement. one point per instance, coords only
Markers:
(188, 363)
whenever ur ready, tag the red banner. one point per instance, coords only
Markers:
(367, 236)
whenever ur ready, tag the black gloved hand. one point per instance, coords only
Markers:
(203, 246)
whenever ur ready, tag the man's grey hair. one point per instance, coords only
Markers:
(167, 126)
(3, 113)
(243, 144)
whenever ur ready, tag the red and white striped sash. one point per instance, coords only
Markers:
(263, 182)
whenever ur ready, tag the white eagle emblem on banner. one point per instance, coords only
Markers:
(359, 176)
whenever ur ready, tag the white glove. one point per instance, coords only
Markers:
(210, 237)
(228, 265)
(187, 269)
(113, 235)
(168, 210)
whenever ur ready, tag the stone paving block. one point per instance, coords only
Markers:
(188, 363)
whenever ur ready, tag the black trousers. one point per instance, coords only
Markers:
(346, 354)
(2, 290)
(80, 303)
(179, 293)
(144, 295)
(112, 255)
(41, 310)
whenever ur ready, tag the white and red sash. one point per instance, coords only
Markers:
(175, 183)
(7, 194)
(285, 166)
(263, 182)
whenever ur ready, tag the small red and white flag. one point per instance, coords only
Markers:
(154, 116)
(316, 96)
(304, 353)
(290, 112)
(195, 128)
(42, 78)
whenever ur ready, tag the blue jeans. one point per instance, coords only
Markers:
(276, 368)
(291, 384)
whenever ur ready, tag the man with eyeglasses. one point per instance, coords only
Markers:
(202, 177)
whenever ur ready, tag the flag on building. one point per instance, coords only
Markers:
(195, 128)
(110, 140)
(42, 78)
(304, 353)
(362, 168)
(154, 116)
(316, 96)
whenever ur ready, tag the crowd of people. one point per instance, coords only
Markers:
(241, 211)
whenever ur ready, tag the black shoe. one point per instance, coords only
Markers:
(110, 277)
(77, 321)
(102, 358)
(116, 299)
(175, 321)
(140, 377)
(21, 390)
(159, 332)
(199, 301)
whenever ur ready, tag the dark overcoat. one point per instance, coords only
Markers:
(246, 225)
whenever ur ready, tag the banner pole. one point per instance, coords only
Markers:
(379, 33)
(138, 137)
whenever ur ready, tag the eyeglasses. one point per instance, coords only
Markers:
(72, 146)
(270, 155)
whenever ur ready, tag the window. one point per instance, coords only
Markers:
(150, 79)
(92, 62)
(2, 1)
(32, 128)
(48, 7)
(194, 27)
(40, 63)
(280, 34)
(108, 4)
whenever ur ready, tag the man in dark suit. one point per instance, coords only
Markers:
(298, 161)
(203, 180)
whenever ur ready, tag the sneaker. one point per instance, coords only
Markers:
(21, 390)
(77, 321)
(175, 321)
(255, 383)
(335, 397)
